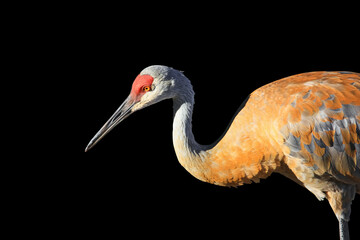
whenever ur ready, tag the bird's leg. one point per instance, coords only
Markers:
(343, 229)
(340, 202)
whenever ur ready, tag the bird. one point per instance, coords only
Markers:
(305, 127)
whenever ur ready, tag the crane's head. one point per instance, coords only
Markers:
(152, 85)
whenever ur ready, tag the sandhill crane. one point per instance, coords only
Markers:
(305, 127)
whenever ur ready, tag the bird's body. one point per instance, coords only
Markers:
(305, 127)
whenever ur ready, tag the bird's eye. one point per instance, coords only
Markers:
(146, 88)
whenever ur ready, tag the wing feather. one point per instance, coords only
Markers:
(323, 125)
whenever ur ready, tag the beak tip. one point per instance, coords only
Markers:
(88, 147)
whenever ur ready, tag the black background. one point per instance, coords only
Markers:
(130, 183)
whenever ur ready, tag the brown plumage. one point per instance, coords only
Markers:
(305, 127)
(311, 116)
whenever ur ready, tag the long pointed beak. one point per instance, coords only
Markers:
(121, 113)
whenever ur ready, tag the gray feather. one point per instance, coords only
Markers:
(338, 140)
(294, 143)
(350, 110)
(311, 147)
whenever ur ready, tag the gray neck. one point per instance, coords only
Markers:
(186, 148)
(182, 127)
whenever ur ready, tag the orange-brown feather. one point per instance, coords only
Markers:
(293, 117)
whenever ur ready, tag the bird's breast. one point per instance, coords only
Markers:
(247, 152)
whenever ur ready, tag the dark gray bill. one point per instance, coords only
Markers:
(121, 113)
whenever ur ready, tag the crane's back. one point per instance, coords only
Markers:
(312, 118)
